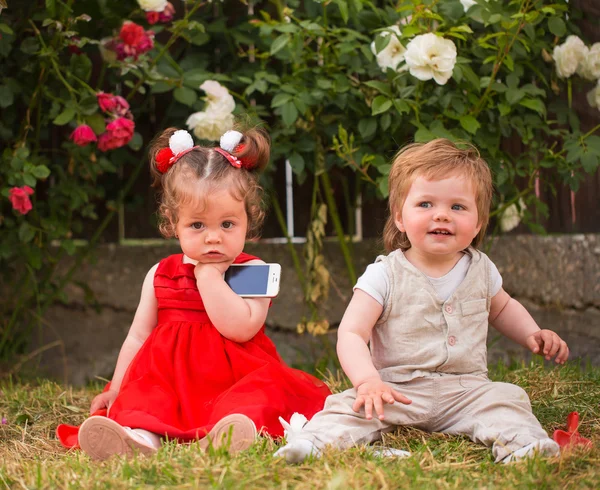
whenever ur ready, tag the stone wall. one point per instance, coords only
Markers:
(557, 278)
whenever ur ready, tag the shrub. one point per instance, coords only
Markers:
(341, 85)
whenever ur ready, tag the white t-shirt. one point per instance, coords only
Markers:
(375, 281)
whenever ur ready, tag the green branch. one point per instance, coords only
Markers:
(337, 224)
(501, 56)
(176, 33)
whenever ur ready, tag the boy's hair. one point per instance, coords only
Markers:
(204, 170)
(438, 159)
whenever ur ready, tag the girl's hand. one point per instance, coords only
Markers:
(216, 268)
(548, 344)
(103, 400)
(374, 392)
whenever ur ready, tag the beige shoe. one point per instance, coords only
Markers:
(101, 438)
(242, 429)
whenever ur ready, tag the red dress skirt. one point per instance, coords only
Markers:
(187, 376)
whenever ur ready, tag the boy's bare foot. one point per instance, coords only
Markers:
(101, 438)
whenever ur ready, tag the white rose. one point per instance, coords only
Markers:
(467, 4)
(152, 5)
(218, 97)
(589, 67)
(393, 54)
(214, 89)
(223, 105)
(568, 55)
(210, 125)
(593, 96)
(511, 217)
(429, 56)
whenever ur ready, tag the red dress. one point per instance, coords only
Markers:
(187, 376)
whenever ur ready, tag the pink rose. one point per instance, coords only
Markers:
(113, 104)
(19, 198)
(168, 13)
(146, 44)
(163, 17)
(106, 101)
(83, 135)
(118, 133)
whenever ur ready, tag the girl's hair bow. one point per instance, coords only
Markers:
(229, 144)
(180, 143)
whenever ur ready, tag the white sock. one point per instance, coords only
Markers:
(545, 447)
(144, 437)
(389, 452)
(297, 451)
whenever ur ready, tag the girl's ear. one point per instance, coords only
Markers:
(398, 221)
(172, 225)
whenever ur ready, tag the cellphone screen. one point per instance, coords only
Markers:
(248, 280)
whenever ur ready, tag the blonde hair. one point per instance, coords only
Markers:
(436, 159)
(204, 169)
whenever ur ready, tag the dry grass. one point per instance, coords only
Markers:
(31, 457)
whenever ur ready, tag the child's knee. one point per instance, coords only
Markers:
(511, 392)
(340, 402)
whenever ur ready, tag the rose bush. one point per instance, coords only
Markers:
(67, 130)
(341, 85)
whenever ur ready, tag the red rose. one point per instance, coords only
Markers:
(152, 17)
(83, 135)
(72, 46)
(122, 128)
(19, 198)
(118, 133)
(131, 33)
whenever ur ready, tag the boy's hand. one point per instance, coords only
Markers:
(374, 392)
(103, 400)
(548, 344)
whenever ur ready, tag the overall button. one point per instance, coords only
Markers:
(448, 308)
(452, 340)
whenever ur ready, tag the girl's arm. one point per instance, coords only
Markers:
(511, 319)
(236, 318)
(143, 323)
(353, 351)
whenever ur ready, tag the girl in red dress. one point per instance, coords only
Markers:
(196, 363)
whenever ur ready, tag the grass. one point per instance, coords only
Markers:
(31, 457)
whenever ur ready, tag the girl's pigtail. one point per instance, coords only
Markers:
(254, 149)
(159, 142)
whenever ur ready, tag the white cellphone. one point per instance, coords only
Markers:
(254, 280)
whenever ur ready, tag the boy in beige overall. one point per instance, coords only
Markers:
(424, 310)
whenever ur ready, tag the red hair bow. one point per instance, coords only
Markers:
(163, 160)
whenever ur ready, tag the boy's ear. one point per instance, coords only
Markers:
(398, 221)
